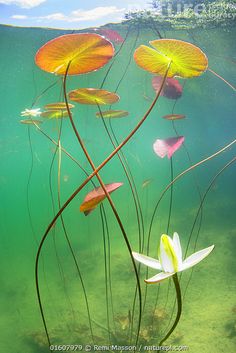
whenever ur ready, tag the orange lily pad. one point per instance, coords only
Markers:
(30, 121)
(94, 197)
(185, 59)
(112, 114)
(85, 52)
(174, 117)
(93, 96)
(54, 114)
(58, 106)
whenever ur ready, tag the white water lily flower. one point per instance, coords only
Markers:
(170, 258)
(31, 112)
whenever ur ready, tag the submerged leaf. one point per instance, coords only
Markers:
(185, 59)
(174, 117)
(172, 88)
(83, 52)
(55, 114)
(168, 146)
(58, 106)
(110, 34)
(94, 197)
(30, 121)
(93, 96)
(112, 114)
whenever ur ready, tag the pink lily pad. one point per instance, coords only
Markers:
(172, 88)
(111, 35)
(168, 146)
(97, 195)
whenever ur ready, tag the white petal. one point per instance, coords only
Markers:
(177, 247)
(159, 277)
(195, 258)
(168, 258)
(148, 261)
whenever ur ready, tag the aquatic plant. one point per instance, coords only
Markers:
(185, 59)
(94, 197)
(107, 114)
(62, 64)
(44, 58)
(168, 146)
(93, 96)
(59, 66)
(172, 88)
(173, 117)
(170, 263)
(31, 121)
(170, 258)
(54, 114)
(31, 112)
(110, 34)
(163, 60)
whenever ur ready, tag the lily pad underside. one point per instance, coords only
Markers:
(93, 96)
(185, 59)
(83, 52)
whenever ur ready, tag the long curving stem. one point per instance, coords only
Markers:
(222, 79)
(76, 193)
(109, 200)
(179, 308)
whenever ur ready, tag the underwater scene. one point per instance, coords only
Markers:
(118, 193)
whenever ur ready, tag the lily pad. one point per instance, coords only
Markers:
(58, 106)
(93, 96)
(94, 197)
(30, 121)
(174, 117)
(55, 114)
(185, 59)
(111, 34)
(172, 89)
(85, 52)
(168, 146)
(112, 114)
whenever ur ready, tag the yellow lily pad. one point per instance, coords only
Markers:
(112, 114)
(174, 117)
(85, 52)
(185, 59)
(57, 106)
(30, 121)
(54, 114)
(93, 96)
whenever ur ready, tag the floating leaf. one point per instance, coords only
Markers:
(94, 197)
(174, 117)
(168, 146)
(58, 106)
(172, 88)
(110, 34)
(112, 114)
(55, 114)
(85, 52)
(31, 121)
(186, 59)
(93, 96)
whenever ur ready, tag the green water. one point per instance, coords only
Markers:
(208, 319)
